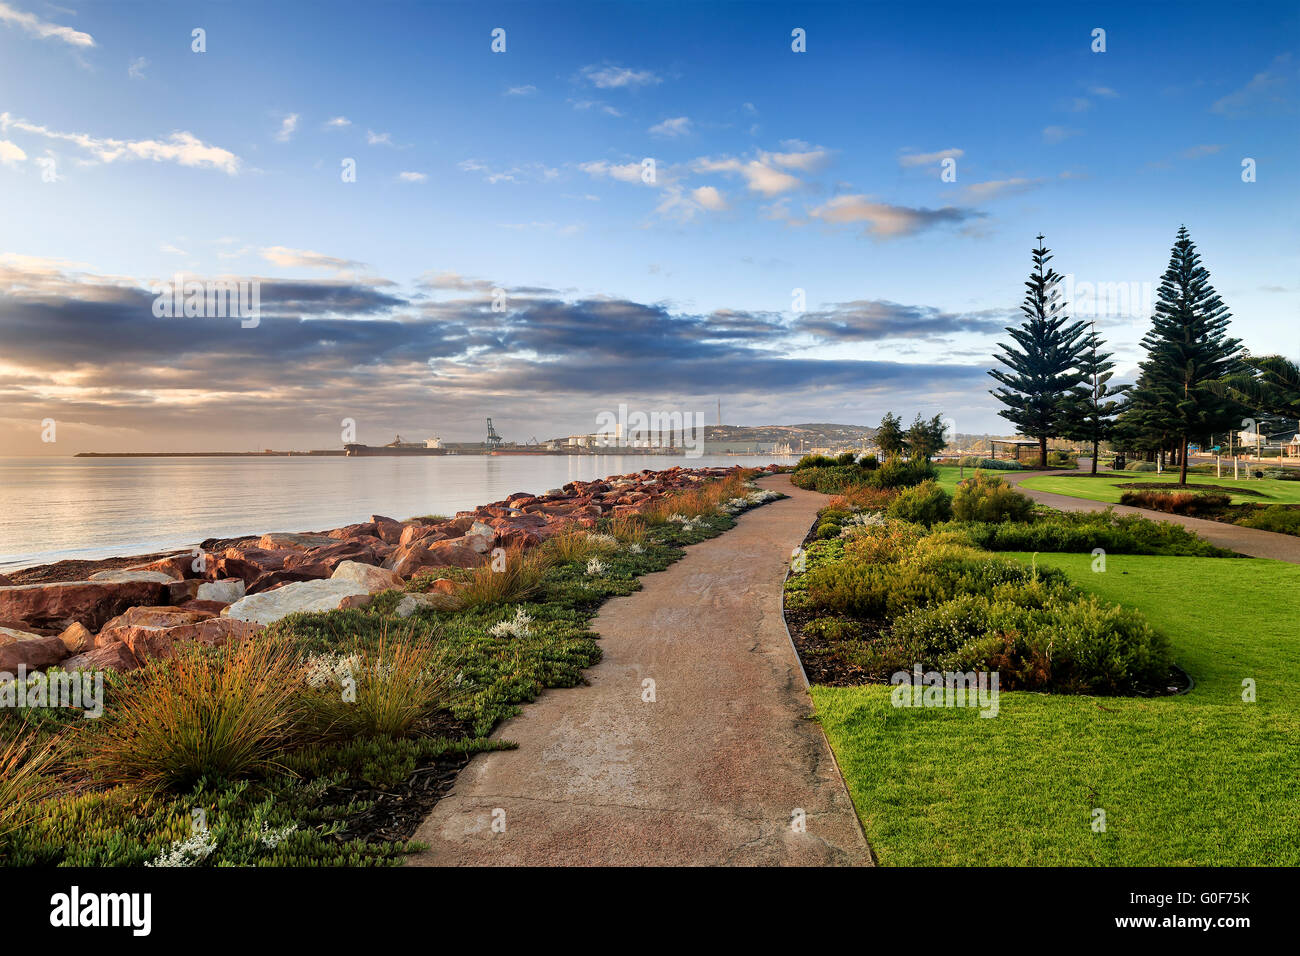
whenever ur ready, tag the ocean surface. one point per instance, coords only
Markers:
(52, 509)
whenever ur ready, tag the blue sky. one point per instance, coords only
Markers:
(520, 170)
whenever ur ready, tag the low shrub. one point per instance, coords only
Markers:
(377, 690)
(1036, 636)
(897, 473)
(990, 464)
(1278, 518)
(1085, 530)
(881, 541)
(26, 757)
(1177, 502)
(517, 574)
(863, 498)
(206, 714)
(985, 497)
(924, 504)
(1140, 466)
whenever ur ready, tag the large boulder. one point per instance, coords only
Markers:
(269, 606)
(275, 579)
(77, 639)
(164, 642)
(114, 657)
(227, 590)
(87, 602)
(149, 617)
(367, 576)
(296, 542)
(33, 653)
(132, 574)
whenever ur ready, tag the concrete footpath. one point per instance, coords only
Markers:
(1249, 541)
(722, 768)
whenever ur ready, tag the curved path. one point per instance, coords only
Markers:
(713, 772)
(1249, 541)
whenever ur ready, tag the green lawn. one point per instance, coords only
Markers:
(1103, 487)
(1198, 779)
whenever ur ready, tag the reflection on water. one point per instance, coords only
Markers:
(55, 508)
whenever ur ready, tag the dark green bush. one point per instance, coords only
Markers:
(1277, 518)
(985, 497)
(925, 504)
(1177, 502)
(1085, 530)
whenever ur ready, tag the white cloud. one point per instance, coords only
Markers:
(908, 160)
(761, 177)
(709, 198)
(172, 250)
(306, 259)
(379, 139)
(677, 126)
(1058, 134)
(44, 29)
(287, 127)
(410, 177)
(1000, 187)
(537, 172)
(596, 105)
(885, 220)
(622, 172)
(1105, 91)
(183, 148)
(338, 122)
(137, 67)
(618, 77)
(526, 90)
(10, 153)
(1267, 86)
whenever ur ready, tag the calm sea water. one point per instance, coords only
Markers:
(57, 508)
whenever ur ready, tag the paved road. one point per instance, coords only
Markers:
(1250, 541)
(714, 772)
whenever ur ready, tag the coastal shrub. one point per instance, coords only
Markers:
(1177, 502)
(206, 714)
(925, 504)
(897, 473)
(830, 480)
(1278, 518)
(517, 575)
(814, 461)
(986, 497)
(27, 758)
(990, 464)
(701, 500)
(1140, 466)
(1085, 530)
(1037, 636)
(881, 542)
(394, 686)
(628, 528)
(1061, 459)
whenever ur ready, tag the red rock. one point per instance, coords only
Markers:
(178, 592)
(246, 571)
(366, 529)
(518, 538)
(355, 601)
(273, 579)
(161, 642)
(87, 602)
(77, 639)
(178, 566)
(455, 554)
(153, 617)
(6, 582)
(417, 532)
(116, 657)
(388, 530)
(35, 653)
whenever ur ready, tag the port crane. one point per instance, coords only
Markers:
(493, 439)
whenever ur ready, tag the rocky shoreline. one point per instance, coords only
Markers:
(121, 612)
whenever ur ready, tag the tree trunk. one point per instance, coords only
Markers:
(1182, 461)
(1095, 443)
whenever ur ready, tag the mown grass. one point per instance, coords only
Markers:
(1105, 487)
(1199, 779)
